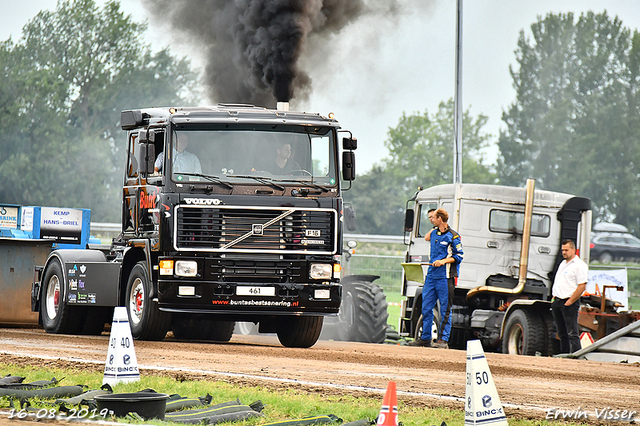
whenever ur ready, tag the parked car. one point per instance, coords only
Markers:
(613, 242)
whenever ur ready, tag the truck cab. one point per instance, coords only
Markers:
(230, 213)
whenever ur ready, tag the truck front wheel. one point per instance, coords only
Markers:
(57, 316)
(299, 332)
(146, 320)
(524, 334)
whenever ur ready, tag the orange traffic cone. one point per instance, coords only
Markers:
(389, 411)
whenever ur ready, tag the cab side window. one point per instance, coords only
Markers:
(132, 166)
(424, 224)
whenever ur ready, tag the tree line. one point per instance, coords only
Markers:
(573, 125)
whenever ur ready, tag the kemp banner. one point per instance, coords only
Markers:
(63, 225)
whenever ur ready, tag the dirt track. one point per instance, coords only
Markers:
(527, 386)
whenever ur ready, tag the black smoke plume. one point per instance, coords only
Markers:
(253, 46)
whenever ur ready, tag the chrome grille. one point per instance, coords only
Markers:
(254, 270)
(255, 230)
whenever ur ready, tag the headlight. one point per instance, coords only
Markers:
(186, 268)
(320, 271)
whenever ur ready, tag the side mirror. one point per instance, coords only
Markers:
(408, 220)
(350, 143)
(348, 165)
(131, 119)
(146, 157)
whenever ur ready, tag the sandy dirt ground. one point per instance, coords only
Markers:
(528, 386)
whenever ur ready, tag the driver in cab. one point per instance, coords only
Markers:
(283, 163)
(183, 161)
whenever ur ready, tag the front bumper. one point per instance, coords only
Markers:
(257, 298)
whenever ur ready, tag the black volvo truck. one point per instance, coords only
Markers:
(229, 213)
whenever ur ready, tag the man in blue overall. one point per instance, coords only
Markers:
(446, 255)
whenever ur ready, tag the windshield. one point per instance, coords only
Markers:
(241, 156)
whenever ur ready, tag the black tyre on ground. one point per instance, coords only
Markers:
(57, 316)
(187, 328)
(524, 334)
(94, 319)
(146, 320)
(184, 327)
(218, 331)
(363, 314)
(299, 332)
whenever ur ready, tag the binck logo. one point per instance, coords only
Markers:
(203, 201)
(486, 401)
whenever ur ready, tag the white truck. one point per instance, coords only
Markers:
(511, 239)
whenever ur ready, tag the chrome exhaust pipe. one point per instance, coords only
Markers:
(524, 249)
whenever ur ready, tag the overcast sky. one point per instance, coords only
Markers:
(381, 68)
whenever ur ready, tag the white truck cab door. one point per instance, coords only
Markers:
(492, 239)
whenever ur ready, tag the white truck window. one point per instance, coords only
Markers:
(425, 225)
(512, 223)
(320, 150)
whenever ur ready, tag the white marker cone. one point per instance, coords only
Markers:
(121, 365)
(482, 403)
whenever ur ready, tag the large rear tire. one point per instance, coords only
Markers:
(146, 320)
(363, 314)
(57, 316)
(299, 332)
(524, 334)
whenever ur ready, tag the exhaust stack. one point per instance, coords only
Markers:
(524, 249)
(282, 106)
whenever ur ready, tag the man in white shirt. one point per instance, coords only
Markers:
(183, 161)
(568, 286)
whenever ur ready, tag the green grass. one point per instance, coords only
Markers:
(281, 404)
(394, 310)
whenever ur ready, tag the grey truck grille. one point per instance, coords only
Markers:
(255, 230)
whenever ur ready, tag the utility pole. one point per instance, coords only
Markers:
(457, 103)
